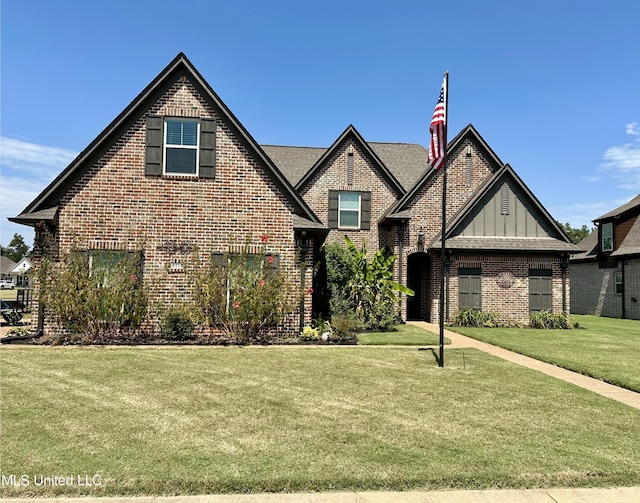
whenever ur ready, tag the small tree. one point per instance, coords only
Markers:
(371, 285)
(575, 234)
(16, 250)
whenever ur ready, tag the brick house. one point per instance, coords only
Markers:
(605, 277)
(178, 168)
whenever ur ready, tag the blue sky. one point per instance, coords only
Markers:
(553, 86)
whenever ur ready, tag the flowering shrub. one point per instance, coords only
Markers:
(245, 296)
(94, 298)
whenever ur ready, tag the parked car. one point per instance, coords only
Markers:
(7, 283)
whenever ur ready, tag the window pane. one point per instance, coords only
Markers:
(182, 133)
(348, 218)
(607, 237)
(190, 133)
(349, 200)
(181, 160)
(174, 133)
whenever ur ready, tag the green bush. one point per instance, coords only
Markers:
(345, 327)
(177, 325)
(310, 334)
(548, 319)
(469, 317)
(382, 315)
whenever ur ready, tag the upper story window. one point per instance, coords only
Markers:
(349, 210)
(607, 237)
(181, 146)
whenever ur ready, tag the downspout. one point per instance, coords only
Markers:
(624, 310)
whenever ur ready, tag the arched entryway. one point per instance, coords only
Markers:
(418, 281)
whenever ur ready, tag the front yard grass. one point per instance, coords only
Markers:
(404, 335)
(199, 420)
(604, 348)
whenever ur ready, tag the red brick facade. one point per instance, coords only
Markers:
(106, 200)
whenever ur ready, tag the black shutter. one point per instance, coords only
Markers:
(219, 259)
(333, 209)
(153, 155)
(365, 210)
(208, 148)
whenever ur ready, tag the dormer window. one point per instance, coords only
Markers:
(607, 237)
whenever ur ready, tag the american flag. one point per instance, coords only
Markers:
(438, 145)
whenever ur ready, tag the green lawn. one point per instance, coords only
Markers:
(604, 348)
(405, 335)
(193, 420)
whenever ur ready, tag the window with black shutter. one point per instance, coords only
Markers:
(180, 146)
(540, 289)
(470, 287)
(349, 210)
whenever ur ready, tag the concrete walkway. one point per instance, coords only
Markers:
(628, 397)
(608, 495)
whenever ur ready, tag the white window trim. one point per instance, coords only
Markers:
(608, 225)
(340, 209)
(165, 146)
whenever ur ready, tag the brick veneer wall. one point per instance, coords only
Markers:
(632, 288)
(115, 206)
(426, 211)
(507, 296)
(593, 290)
(333, 176)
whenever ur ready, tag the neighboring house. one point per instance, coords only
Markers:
(21, 273)
(6, 268)
(177, 169)
(605, 277)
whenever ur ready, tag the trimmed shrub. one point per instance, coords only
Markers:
(176, 325)
(469, 317)
(549, 320)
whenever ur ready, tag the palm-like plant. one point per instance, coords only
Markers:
(371, 280)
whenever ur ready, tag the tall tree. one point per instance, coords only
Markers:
(575, 234)
(17, 248)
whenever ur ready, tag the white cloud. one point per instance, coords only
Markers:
(25, 170)
(622, 162)
(36, 159)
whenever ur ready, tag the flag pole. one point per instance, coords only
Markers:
(444, 218)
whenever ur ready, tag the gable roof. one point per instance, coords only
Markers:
(6, 264)
(621, 210)
(44, 206)
(557, 241)
(405, 161)
(351, 133)
(630, 246)
(398, 210)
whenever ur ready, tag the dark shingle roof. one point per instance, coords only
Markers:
(589, 245)
(635, 202)
(511, 244)
(293, 162)
(405, 161)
